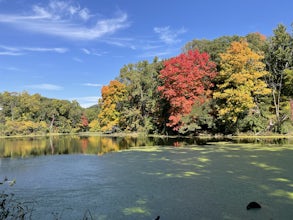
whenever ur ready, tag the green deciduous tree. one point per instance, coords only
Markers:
(141, 112)
(200, 119)
(278, 58)
(214, 48)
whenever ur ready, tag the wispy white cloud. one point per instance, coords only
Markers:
(154, 54)
(87, 101)
(45, 86)
(10, 53)
(62, 18)
(84, 14)
(18, 51)
(122, 42)
(169, 36)
(8, 48)
(40, 13)
(77, 59)
(86, 51)
(92, 52)
(162, 45)
(92, 84)
(42, 49)
(13, 69)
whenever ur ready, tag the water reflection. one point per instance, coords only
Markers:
(181, 180)
(23, 147)
(99, 145)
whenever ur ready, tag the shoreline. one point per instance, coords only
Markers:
(137, 134)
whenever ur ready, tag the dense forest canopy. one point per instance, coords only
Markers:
(22, 113)
(227, 85)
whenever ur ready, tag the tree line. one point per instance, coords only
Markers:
(24, 114)
(228, 85)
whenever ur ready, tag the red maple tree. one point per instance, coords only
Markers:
(187, 79)
(84, 122)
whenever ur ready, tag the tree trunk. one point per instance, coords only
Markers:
(51, 124)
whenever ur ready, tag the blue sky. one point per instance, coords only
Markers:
(69, 49)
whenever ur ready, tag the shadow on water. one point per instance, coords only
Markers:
(225, 176)
(255, 140)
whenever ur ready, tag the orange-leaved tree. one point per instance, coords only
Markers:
(186, 79)
(112, 95)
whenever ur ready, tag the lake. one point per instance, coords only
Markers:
(95, 177)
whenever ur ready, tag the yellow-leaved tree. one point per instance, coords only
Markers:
(240, 82)
(112, 95)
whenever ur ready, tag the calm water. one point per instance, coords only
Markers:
(128, 178)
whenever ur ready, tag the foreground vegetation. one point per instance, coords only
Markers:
(229, 85)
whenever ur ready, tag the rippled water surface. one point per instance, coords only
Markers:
(150, 178)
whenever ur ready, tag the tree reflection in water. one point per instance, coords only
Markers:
(99, 145)
(176, 178)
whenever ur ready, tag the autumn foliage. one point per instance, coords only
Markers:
(187, 79)
(111, 96)
(84, 122)
(241, 81)
(232, 84)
